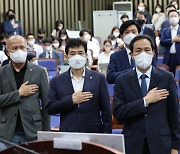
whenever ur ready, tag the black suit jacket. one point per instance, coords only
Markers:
(159, 122)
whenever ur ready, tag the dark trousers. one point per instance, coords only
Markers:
(146, 147)
(173, 63)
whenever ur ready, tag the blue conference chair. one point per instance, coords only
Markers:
(111, 90)
(160, 60)
(55, 122)
(177, 73)
(163, 67)
(50, 64)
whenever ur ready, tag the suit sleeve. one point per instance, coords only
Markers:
(43, 89)
(8, 98)
(105, 107)
(112, 72)
(8, 29)
(165, 40)
(173, 114)
(123, 110)
(57, 104)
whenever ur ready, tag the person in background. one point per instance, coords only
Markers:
(158, 17)
(59, 25)
(124, 18)
(6, 61)
(49, 52)
(80, 95)
(32, 59)
(146, 102)
(3, 57)
(141, 19)
(23, 95)
(142, 7)
(175, 3)
(170, 40)
(121, 61)
(112, 38)
(31, 46)
(3, 39)
(40, 36)
(104, 56)
(12, 26)
(63, 39)
(116, 32)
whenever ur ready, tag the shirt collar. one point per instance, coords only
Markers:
(72, 76)
(175, 28)
(127, 50)
(49, 52)
(148, 73)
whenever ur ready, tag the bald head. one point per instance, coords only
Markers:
(15, 38)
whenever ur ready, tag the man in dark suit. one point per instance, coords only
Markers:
(141, 20)
(121, 61)
(22, 86)
(170, 40)
(146, 102)
(80, 95)
(12, 26)
(49, 52)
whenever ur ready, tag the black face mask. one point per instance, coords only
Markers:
(4, 43)
(140, 21)
(11, 17)
(40, 37)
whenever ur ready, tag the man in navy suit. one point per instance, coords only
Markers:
(141, 19)
(170, 39)
(146, 102)
(80, 95)
(121, 61)
(49, 52)
(12, 26)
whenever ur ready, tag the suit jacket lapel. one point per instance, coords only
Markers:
(88, 80)
(133, 80)
(28, 72)
(154, 79)
(10, 75)
(126, 59)
(68, 82)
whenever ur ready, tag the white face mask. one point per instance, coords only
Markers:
(87, 37)
(158, 10)
(140, 8)
(48, 48)
(55, 45)
(63, 37)
(18, 56)
(174, 21)
(35, 62)
(128, 38)
(77, 61)
(31, 42)
(143, 60)
(176, 6)
(116, 34)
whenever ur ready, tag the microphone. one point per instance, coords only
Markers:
(19, 147)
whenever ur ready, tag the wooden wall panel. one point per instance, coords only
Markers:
(34, 14)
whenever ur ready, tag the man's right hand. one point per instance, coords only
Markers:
(80, 97)
(27, 90)
(155, 95)
(15, 26)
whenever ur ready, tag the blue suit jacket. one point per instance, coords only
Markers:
(166, 41)
(119, 64)
(159, 122)
(8, 28)
(93, 116)
(148, 31)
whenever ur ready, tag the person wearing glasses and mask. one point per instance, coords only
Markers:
(80, 95)
(146, 102)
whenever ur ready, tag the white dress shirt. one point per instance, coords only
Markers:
(37, 48)
(77, 84)
(173, 34)
(148, 73)
(103, 58)
(3, 57)
(47, 54)
(129, 55)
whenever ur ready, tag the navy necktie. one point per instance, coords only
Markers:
(132, 63)
(143, 84)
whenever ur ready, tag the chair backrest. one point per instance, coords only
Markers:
(50, 64)
(61, 56)
(160, 60)
(163, 67)
(177, 73)
(31, 52)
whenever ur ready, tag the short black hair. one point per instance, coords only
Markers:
(55, 38)
(58, 22)
(107, 40)
(81, 33)
(124, 16)
(4, 35)
(29, 35)
(10, 10)
(41, 31)
(141, 13)
(173, 11)
(170, 5)
(128, 23)
(30, 56)
(47, 40)
(111, 37)
(75, 42)
(141, 37)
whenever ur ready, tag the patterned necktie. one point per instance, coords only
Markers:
(49, 55)
(143, 84)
